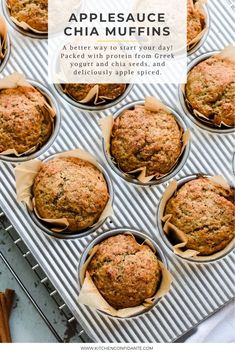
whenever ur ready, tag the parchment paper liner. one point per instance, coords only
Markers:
(152, 104)
(16, 80)
(178, 237)
(198, 4)
(3, 38)
(229, 53)
(93, 95)
(23, 24)
(90, 296)
(25, 174)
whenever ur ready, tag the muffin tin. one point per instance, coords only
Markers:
(198, 290)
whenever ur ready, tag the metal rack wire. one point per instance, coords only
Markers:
(44, 280)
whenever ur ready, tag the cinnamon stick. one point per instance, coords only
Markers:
(4, 320)
(6, 301)
(9, 294)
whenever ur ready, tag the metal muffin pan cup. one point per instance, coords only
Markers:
(92, 108)
(203, 39)
(169, 245)
(57, 124)
(133, 180)
(71, 236)
(31, 34)
(186, 109)
(140, 238)
(7, 55)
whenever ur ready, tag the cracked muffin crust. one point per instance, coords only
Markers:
(210, 90)
(195, 21)
(79, 91)
(32, 12)
(71, 188)
(24, 120)
(142, 138)
(205, 212)
(125, 272)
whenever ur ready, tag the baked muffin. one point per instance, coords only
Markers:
(125, 272)
(210, 90)
(32, 12)
(24, 120)
(79, 91)
(205, 212)
(195, 21)
(70, 188)
(142, 138)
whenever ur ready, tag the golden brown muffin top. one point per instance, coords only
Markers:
(69, 187)
(205, 212)
(125, 272)
(210, 89)
(79, 91)
(195, 21)
(142, 138)
(32, 12)
(24, 120)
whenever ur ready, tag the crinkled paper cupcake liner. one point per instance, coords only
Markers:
(173, 237)
(25, 175)
(138, 176)
(15, 80)
(89, 294)
(198, 118)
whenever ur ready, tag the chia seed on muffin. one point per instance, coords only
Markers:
(142, 138)
(205, 212)
(79, 91)
(195, 21)
(25, 122)
(125, 272)
(33, 12)
(210, 90)
(71, 188)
